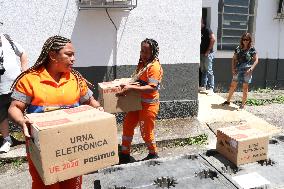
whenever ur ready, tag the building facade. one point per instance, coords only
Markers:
(265, 20)
(107, 40)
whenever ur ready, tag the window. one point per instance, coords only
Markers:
(235, 17)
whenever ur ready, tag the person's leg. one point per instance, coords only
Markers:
(147, 119)
(4, 124)
(73, 183)
(232, 89)
(210, 74)
(4, 128)
(36, 179)
(246, 81)
(129, 124)
(204, 70)
(245, 95)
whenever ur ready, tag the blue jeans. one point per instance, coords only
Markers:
(206, 67)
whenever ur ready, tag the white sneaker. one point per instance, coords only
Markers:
(210, 92)
(6, 146)
(202, 89)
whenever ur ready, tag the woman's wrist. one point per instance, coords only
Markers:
(20, 121)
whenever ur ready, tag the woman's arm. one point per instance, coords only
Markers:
(92, 102)
(16, 110)
(234, 65)
(138, 88)
(255, 62)
(24, 61)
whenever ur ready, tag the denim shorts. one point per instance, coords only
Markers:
(5, 101)
(241, 77)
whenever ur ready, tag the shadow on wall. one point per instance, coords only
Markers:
(95, 41)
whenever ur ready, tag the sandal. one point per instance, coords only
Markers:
(241, 107)
(225, 103)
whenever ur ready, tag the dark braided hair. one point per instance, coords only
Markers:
(54, 43)
(154, 53)
(154, 47)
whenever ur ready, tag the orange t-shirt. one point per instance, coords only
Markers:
(42, 93)
(153, 77)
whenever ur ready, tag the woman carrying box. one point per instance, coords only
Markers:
(50, 84)
(149, 75)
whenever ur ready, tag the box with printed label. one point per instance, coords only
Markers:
(71, 142)
(113, 103)
(242, 144)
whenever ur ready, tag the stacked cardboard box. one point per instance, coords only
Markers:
(113, 103)
(71, 142)
(242, 144)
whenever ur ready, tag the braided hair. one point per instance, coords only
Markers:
(154, 47)
(54, 43)
(154, 56)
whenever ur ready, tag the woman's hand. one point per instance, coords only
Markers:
(125, 88)
(249, 71)
(25, 124)
(100, 108)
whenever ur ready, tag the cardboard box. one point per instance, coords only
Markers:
(242, 144)
(114, 104)
(71, 142)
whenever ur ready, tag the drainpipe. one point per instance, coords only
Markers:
(115, 46)
(278, 49)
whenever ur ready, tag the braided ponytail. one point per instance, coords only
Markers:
(54, 43)
(154, 56)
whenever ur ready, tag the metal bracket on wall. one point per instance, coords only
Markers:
(279, 16)
(96, 4)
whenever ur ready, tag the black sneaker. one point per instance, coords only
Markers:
(125, 158)
(151, 156)
(225, 103)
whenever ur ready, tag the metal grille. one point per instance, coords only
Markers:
(235, 17)
(94, 4)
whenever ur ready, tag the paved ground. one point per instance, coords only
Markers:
(211, 116)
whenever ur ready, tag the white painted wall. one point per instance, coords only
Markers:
(174, 24)
(212, 16)
(31, 22)
(269, 36)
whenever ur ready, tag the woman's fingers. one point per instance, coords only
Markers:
(25, 125)
(26, 130)
(101, 109)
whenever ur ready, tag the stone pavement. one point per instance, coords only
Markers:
(211, 116)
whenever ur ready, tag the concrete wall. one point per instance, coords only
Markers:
(269, 38)
(104, 52)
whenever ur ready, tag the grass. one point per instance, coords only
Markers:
(260, 102)
(196, 140)
(266, 90)
(14, 162)
(172, 143)
(18, 162)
